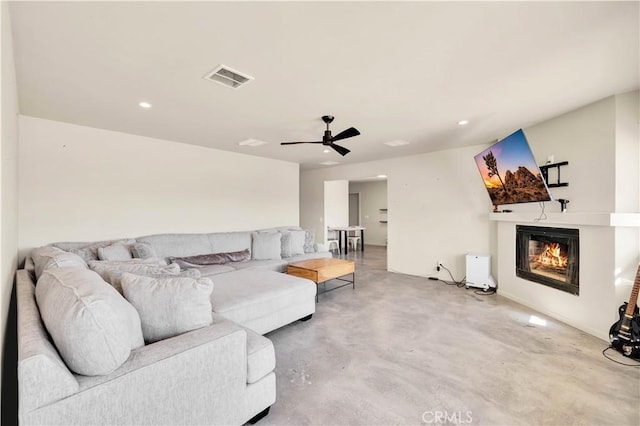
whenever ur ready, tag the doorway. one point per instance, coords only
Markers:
(354, 209)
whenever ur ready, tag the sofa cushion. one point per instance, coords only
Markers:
(277, 265)
(169, 306)
(117, 251)
(93, 327)
(52, 257)
(111, 269)
(246, 295)
(309, 256)
(266, 245)
(166, 245)
(210, 270)
(292, 243)
(225, 242)
(211, 259)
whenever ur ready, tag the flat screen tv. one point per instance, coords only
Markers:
(510, 172)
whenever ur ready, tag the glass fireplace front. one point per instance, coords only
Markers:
(549, 256)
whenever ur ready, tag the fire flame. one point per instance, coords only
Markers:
(551, 256)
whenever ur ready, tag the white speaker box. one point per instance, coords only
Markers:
(479, 271)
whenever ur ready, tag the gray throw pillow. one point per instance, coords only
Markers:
(285, 245)
(292, 243)
(109, 269)
(211, 259)
(309, 241)
(90, 251)
(266, 246)
(169, 306)
(52, 257)
(143, 251)
(297, 242)
(115, 275)
(117, 251)
(93, 327)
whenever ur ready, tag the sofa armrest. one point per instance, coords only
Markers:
(163, 350)
(42, 375)
(194, 378)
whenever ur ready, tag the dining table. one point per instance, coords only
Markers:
(343, 234)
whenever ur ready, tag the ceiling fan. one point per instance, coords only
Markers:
(329, 140)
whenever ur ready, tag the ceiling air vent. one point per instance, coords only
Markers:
(229, 77)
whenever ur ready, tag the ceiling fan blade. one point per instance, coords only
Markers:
(340, 149)
(349, 133)
(294, 143)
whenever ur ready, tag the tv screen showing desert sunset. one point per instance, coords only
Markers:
(510, 172)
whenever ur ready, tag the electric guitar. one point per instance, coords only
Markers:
(624, 334)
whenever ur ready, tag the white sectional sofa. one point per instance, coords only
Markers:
(220, 373)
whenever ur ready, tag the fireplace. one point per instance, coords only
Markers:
(549, 256)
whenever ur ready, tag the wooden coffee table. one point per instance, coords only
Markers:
(323, 270)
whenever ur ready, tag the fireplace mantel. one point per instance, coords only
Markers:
(567, 218)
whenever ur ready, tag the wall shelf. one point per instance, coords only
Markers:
(590, 219)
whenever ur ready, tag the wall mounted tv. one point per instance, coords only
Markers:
(510, 172)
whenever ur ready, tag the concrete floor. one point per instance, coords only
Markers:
(405, 350)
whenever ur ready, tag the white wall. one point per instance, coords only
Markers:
(83, 184)
(336, 204)
(586, 139)
(373, 197)
(438, 207)
(8, 170)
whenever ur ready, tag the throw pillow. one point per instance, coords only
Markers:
(109, 269)
(285, 245)
(143, 251)
(52, 257)
(309, 240)
(297, 242)
(169, 306)
(117, 251)
(93, 327)
(266, 246)
(292, 243)
(115, 275)
(211, 259)
(90, 252)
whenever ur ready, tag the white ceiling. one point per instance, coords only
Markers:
(400, 70)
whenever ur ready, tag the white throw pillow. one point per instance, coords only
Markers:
(169, 306)
(93, 327)
(292, 243)
(52, 257)
(297, 242)
(117, 251)
(266, 246)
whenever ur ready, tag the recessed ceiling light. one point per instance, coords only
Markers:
(251, 142)
(396, 143)
(463, 122)
(382, 176)
(329, 163)
(326, 151)
(144, 105)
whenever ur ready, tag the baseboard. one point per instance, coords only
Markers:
(555, 315)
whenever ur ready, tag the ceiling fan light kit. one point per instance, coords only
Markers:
(329, 140)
